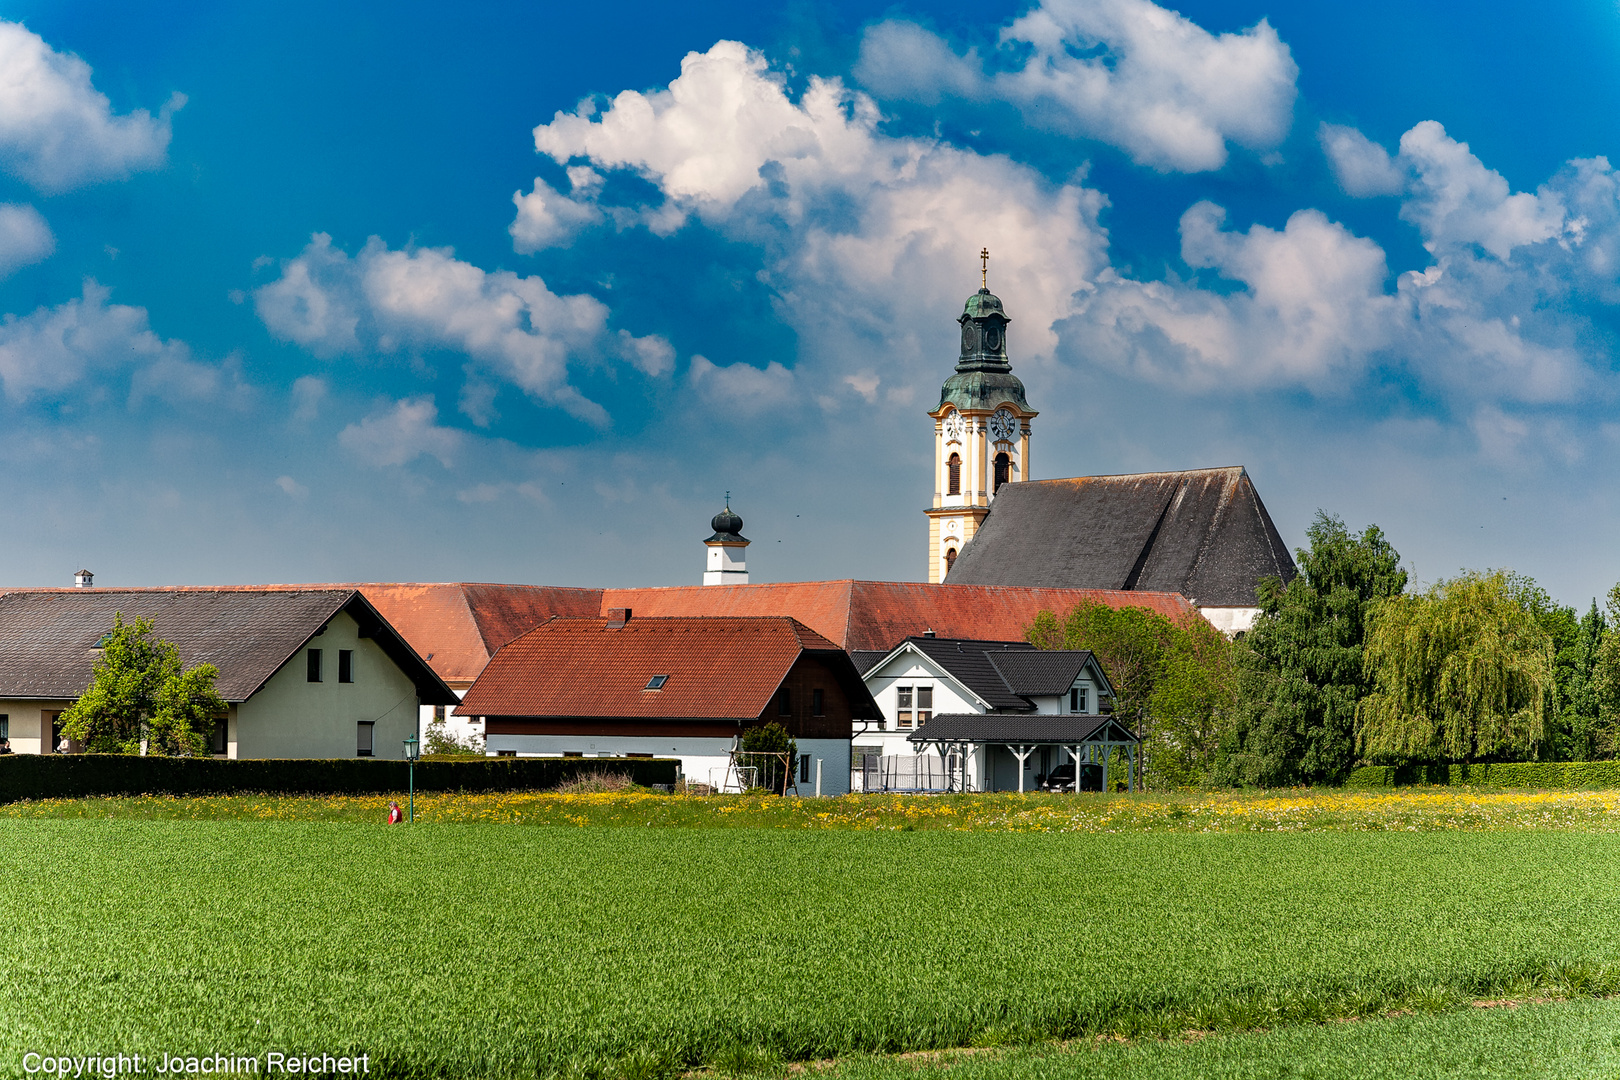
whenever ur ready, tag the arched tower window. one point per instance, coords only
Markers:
(950, 559)
(955, 467)
(1003, 470)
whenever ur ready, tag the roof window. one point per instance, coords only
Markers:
(657, 682)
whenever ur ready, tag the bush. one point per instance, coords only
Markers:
(1521, 774)
(69, 776)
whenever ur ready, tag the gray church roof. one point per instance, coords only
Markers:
(1203, 533)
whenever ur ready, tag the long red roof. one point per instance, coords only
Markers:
(877, 615)
(717, 668)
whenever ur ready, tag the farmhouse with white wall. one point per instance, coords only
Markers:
(623, 686)
(306, 672)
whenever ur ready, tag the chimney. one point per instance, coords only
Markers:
(929, 632)
(617, 617)
(83, 579)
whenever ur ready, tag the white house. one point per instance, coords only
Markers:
(928, 679)
(305, 672)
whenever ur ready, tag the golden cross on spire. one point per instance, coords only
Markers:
(984, 269)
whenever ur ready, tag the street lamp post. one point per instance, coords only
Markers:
(411, 753)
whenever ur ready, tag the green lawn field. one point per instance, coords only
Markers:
(492, 951)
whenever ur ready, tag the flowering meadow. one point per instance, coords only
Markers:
(1298, 810)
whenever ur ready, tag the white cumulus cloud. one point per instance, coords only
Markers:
(1312, 307)
(882, 230)
(548, 218)
(1453, 198)
(742, 387)
(1126, 72)
(401, 434)
(44, 353)
(25, 239)
(57, 131)
(513, 327)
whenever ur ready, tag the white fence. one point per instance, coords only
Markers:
(899, 772)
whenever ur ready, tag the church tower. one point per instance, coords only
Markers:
(725, 563)
(981, 430)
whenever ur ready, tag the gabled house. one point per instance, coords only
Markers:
(314, 673)
(930, 684)
(673, 687)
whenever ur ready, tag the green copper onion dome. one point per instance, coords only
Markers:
(983, 378)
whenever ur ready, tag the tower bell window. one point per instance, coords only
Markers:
(1003, 470)
(950, 559)
(954, 466)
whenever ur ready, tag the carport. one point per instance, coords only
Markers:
(965, 742)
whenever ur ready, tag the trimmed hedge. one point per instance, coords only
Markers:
(1524, 774)
(68, 776)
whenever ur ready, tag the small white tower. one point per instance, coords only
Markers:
(726, 565)
(83, 579)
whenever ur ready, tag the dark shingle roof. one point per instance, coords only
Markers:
(969, 662)
(1203, 533)
(999, 727)
(1039, 674)
(865, 660)
(46, 635)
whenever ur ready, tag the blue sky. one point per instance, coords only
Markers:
(305, 292)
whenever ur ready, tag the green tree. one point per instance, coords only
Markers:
(1579, 719)
(1605, 685)
(139, 690)
(772, 753)
(1462, 672)
(1301, 663)
(1571, 733)
(1172, 680)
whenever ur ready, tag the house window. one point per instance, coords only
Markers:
(513, 753)
(950, 559)
(363, 738)
(573, 753)
(818, 703)
(1003, 470)
(902, 706)
(345, 665)
(59, 745)
(925, 704)
(5, 726)
(784, 702)
(1077, 700)
(314, 670)
(804, 768)
(657, 683)
(954, 464)
(222, 736)
(438, 712)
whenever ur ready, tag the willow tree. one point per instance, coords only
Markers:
(1461, 672)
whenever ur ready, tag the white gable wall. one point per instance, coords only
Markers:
(293, 717)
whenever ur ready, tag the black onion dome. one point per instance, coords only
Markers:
(727, 526)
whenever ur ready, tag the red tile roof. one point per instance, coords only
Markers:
(458, 626)
(877, 615)
(718, 668)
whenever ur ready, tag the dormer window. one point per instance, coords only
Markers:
(1077, 700)
(657, 682)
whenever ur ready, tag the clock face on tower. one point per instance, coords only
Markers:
(954, 427)
(1003, 425)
